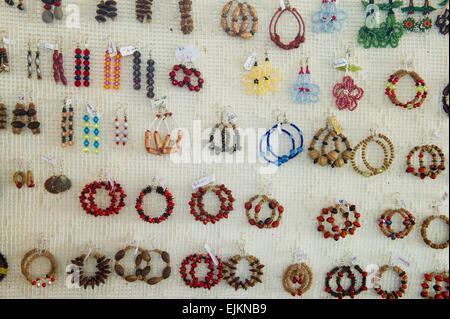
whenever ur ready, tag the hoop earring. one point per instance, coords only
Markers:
(242, 9)
(299, 274)
(29, 258)
(274, 36)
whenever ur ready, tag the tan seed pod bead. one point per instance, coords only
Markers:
(140, 273)
(424, 234)
(297, 273)
(166, 271)
(242, 10)
(334, 158)
(244, 24)
(230, 267)
(30, 257)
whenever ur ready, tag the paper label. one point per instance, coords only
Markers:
(401, 202)
(112, 49)
(161, 181)
(91, 110)
(21, 99)
(336, 125)
(282, 5)
(186, 54)
(7, 41)
(159, 102)
(232, 118)
(340, 62)
(400, 259)
(438, 134)
(213, 257)
(409, 64)
(444, 197)
(129, 50)
(110, 181)
(48, 159)
(204, 181)
(250, 62)
(300, 256)
(68, 102)
(48, 46)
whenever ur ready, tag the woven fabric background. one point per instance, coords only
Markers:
(28, 215)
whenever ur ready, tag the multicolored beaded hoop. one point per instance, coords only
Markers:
(213, 271)
(385, 222)
(275, 37)
(242, 9)
(351, 291)
(186, 81)
(445, 99)
(79, 276)
(230, 267)
(3, 267)
(434, 169)
(424, 229)
(297, 274)
(167, 212)
(349, 226)
(29, 258)
(226, 205)
(421, 88)
(440, 292)
(403, 283)
(269, 222)
(87, 199)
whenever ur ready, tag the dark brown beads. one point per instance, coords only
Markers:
(144, 10)
(106, 9)
(186, 23)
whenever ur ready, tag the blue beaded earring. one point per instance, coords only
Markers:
(303, 90)
(328, 18)
(87, 130)
(283, 126)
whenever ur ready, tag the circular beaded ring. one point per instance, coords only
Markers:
(269, 222)
(445, 99)
(421, 88)
(166, 271)
(434, 169)
(337, 232)
(87, 199)
(140, 273)
(99, 277)
(226, 205)
(440, 292)
(242, 9)
(299, 274)
(275, 37)
(334, 158)
(186, 81)
(385, 222)
(3, 267)
(403, 283)
(228, 145)
(351, 291)
(389, 155)
(168, 211)
(29, 258)
(230, 267)
(424, 234)
(192, 281)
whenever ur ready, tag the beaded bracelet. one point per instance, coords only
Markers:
(3, 267)
(209, 280)
(434, 169)
(87, 199)
(297, 274)
(445, 99)
(242, 9)
(385, 222)
(389, 155)
(424, 229)
(29, 258)
(349, 226)
(403, 283)
(99, 277)
(421, 88)
(167, 212)
(275, 37)
(230, 267)
(333, 158)
(351, 291)
(268, 222)
(226, 205)
(439, 291)
(140, 273)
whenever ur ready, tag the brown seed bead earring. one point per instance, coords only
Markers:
(349, 226)
(269, 222)
(18, 120)
(389, 154)
(29, 258)
(186, 23)
(297, 274)
(423, 232)
(229, 271)
(166, 271)
(445, 100)
(140, 273)
(19, 179)
(351, 291)
(33, 123)
(440, 292)
(403, 283)
(385, 223)
(3, 116)
(434, 169)
(101, 274)
(242, 10)
(421, 88)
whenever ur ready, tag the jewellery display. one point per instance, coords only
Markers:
(186, 22)
(403, 283)
(376, 34)
(46, 280)
(421, 88)
(118, 132)
(3, 267)
(150, 79)
(260, 81)
(144, 10)
(410, 24)
(115, 192)
(58, 69)
(389, 154)
(328, 18)
(57, 184)
(106, 9)
(4, 61)
(438, 279)
(275, 37)
(266, 151)
(226, 204)
(67, 124)
(136, 70)
(213, 271)
(82, 279)
(304, 90)
(161, 191)
(226, 128)
(47, 15)
(299, 274)
(434, 169)
(385, 222)
(269, 222)
(230, 267)
(351, 291)
(337, 231)
(82, 61)
(445, 99)
(186, 81)
(241, 10)
(443, 20)
(424, 232)
(3, 116)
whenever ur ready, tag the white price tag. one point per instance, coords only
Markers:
(112, 49)
(300, 256)
(110, 181)
(48, 159)
(159, 102)
(250, 62)
(232, 117)
(282, 5)
(91, 110)
(400, 259)
(186, 54)
(161, 181)
(444, 197)
(409, 64)
(21, 99)
(204, 181)
(401, 202)
(8, 41)
(340, 62)
(129, 50)
(213, 257)
(68, 102)
(438, 134)
(48, 46)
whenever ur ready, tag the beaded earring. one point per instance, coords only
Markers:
(25, 267)
(3, 267)
(230, 267)
(67, 123)
(19, 178)
(37, 63)
(192, 281)
(274, 206)
(228, 145)
(18, 118)
(186, 81)
(115, 192)
(424, 232)
(410, 24)
(87, 131)
(103, 269)
(434, 169)
(242, 9)
(3, 116)
(47, 15)
(275, 37)
(438, 279)
(82, 61)
(421, 89)
(186, 22)
(137, 70)
(112, 62)
(106, 9)
(161, 191)
(337, 231)
(144, 10)
(266, 150)
(403, 283)
(118, 131)
(347, 93)
(443, 19)
(445, 99)
(33, 123)
(29, 62)
(352, 290)
(299, 274)
(304, 90)
(4, 61)
(150, 78)
(385, 222)
(20, 5)
(328, 18)
(58, 68)
(376, 34)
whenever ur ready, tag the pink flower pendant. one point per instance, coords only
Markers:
(347, 94)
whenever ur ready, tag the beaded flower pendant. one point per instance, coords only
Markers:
(410, 24)
(328, 18)
(303, 90)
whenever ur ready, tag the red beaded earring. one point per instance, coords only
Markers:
(192, 281)
(115, 192)
(82, 67)
(186, 81)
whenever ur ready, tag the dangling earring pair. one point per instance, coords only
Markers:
(118, 132)
(261, 80)
(21, 178)
(303, 90)
(37, 63)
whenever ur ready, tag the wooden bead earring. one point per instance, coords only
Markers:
(385, 222)
(269, 222)
(144, 10)
(140, 273)
(3, 267)
(99, 277)
(226, 127)
(352, 290)
(33, 123)
(18, 119)
(421, 89)
(67, 123)
(3, 116)
(445, 99)
(396, 294)
(434, 169)
(339, 231)
(424, 232)
(186, 22)
(106, 9)
(230, 267)
(299, 274)
(47, 279)
(241, 10)
(440, 286)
